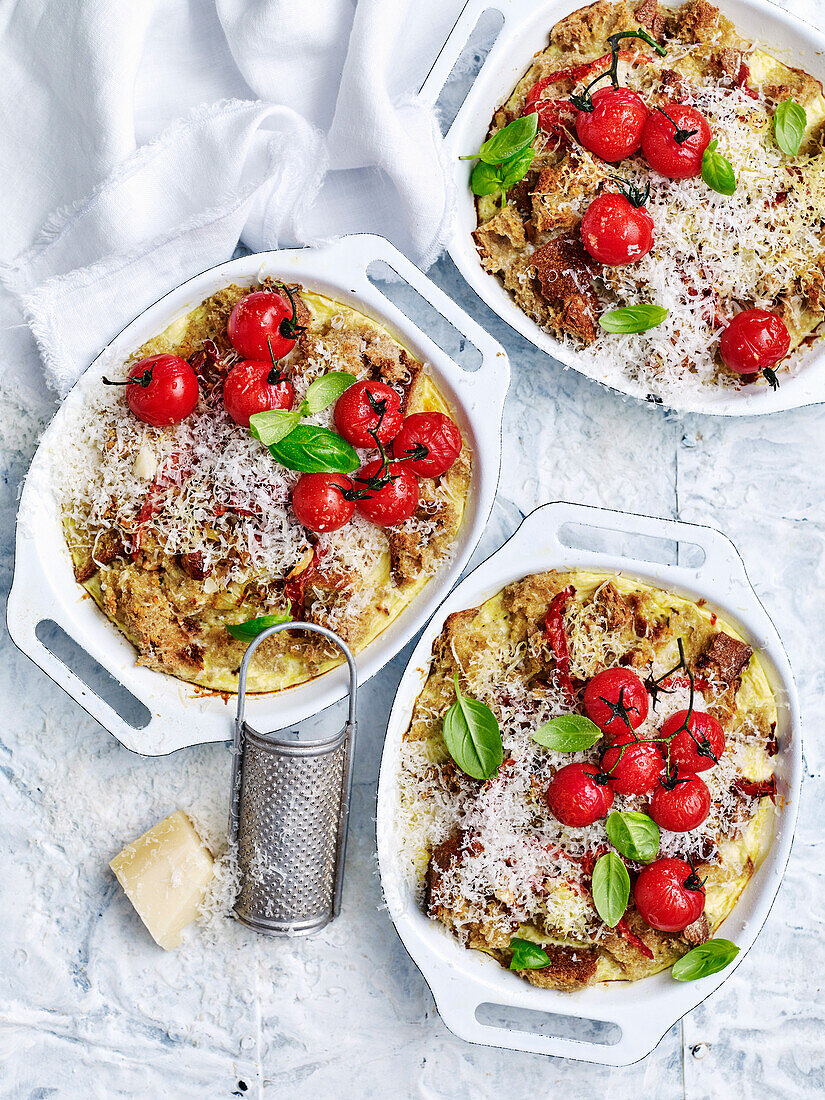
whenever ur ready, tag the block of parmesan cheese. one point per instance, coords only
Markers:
(165, 874)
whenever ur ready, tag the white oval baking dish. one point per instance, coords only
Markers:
(44, 587)
(524, 32)
(462, 980)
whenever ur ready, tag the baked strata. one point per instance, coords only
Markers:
(741, 233)
(497, 861)
(184, 532)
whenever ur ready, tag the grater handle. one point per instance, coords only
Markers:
(349, 760)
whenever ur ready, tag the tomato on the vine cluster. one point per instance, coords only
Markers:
(753, 340)
(575, 796)
(669, 895)
(674, 139)
(322, 502)
(262, 322)
(366, 411)
(428, 443)
(614, 231)
(613, 129)
(254, 386)
(161, 390)
(616, 701)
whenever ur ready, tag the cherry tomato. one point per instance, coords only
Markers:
(261, 318)
(429, 443)
(637, 769)
(614, 698)
(319, 503)
(754, 339)
(613, 129)
(368, 407)
(575, 798)
(682, 808)
(693, 753)
(253, 386)
(395, 496)
(669, 895)
(677, 159)
(161, 390)
(614, 231)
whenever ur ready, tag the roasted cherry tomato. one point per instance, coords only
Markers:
(574, 796)
(391, 492)
(429, 443)
(699, 746)
(754, 339)
(367, 410)
(616, 700)
(319, 503)
(261, 319)
(161, 390)
(613, 129)
(669, 895)
(253, 386)
(614, 231)
(682, 807)
(634, 766)
(669, 145)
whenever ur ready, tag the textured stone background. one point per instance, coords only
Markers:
(90, 1007)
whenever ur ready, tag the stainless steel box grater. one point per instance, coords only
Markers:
(288, 815)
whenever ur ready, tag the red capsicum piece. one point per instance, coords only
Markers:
(557, 637)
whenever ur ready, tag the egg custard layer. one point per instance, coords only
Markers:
(179, 532)
(758, 245)
(489, 860)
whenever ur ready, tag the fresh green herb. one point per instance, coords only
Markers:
(634, 835)
(610, 888)
(313, 450)
(245, 632)
(789, 122)
(490, 179)
(472, 736)
(707, 958)
(717, 171)
(324, 391)
(508, 141)
(568, 733)
(633, 318)
(272, 426)
(527, 955)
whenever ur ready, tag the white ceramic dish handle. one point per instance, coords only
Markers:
(44, 588)
(452, 49)
(459, 988)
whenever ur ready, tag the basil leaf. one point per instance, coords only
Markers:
(313, 450)
(707, 958)
(610, 888)
(633, 318)
(568, 733)
(717, 171)
(789, 122)
(634, 835)
(486, 179)
(527, 955)
(516, 168)
(245, 632)
(509, 140)
(326, 389)
(271, 427)
(472, 736)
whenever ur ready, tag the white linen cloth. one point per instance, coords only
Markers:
(139, 142)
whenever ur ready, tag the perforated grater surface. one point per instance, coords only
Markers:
(288, 815)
